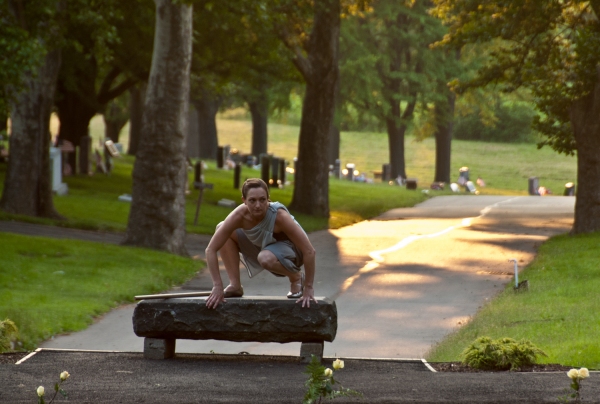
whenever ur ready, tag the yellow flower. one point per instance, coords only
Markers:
(584, 373)
(64, 375)
(573, 374)
(40, 391)
(328, 372)
(338, 364)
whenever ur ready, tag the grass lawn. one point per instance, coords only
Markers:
(50, 286)
(559, 313)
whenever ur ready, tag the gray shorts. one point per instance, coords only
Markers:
(285, 251)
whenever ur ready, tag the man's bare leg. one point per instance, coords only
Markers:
(269, 261)
(230, 255)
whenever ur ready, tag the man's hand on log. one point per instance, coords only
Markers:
(307, 296)
(216, 297)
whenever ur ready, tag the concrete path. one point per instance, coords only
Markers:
(401, 282)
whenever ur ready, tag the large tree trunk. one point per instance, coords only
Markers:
(27, 186)
(334, 133)
(3, 121)
(396, 144)
(444, 113)
(585, 119)
(137, 95)
(75, 105)
(157, 215)
(259, 110)
(207, 108)
(311, 181)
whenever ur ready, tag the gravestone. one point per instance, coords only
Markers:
(58, 187)
(282, 172)
(274, 180)
(533, 185)
(85, 152)
(264, 168)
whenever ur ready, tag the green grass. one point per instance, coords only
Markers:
(559, 313)
(52, 286)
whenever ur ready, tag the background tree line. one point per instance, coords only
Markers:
(443, 68)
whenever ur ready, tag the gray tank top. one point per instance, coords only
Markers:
(261, 235)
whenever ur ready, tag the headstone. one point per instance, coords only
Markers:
(282, 172)
(85, 152)
(237, 173)
(220, 156)
(386, 172)
(274, 180)
(569, 189)
(264, 168)
(411, 183)
(350, 171)
(533, 185)
(58, 187)
(337, 168)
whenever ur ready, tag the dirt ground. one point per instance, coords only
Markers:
(121, 377)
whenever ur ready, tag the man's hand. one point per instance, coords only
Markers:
(217, 296)
(307, 296)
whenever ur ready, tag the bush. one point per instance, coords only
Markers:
(513, 125)
(8, 334)
(500, 354)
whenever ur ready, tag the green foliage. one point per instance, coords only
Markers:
(501, 354)
(550, 47)
(8, 333)
(320, 384)
(512, 125)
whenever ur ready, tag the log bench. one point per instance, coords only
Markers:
(247, 319)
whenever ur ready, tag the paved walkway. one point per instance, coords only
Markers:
(401, 282)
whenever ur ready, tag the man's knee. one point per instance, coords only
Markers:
(267, 259)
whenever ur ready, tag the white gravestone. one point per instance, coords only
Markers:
(59, 187)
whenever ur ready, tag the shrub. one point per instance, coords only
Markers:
(501, 354)
(8, 334)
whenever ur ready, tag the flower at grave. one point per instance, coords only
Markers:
(584, 373)
(40, 391)
(328, 372)
(573, 374)
(338, 364)
(64, 376)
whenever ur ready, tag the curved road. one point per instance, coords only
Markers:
(401, 281)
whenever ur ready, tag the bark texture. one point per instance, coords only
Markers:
(137, 95)
(585, 119)
(207, 107)
(259, 110)
(444, 112)
(157, 216)
(28, 187)
(321, 73)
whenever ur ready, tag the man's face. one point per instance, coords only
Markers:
(257, 202)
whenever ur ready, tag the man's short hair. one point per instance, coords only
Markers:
(254, 183)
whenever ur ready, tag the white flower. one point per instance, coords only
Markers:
(40, 391)
(338, 364)
(328, 372)
(584, 373)
(573, 374)
(64, 376)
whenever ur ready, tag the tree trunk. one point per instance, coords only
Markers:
(28, 186)
(444, 112)
(115, 118)
(311, 181)
(3, 121)
(157, 215)
(396, 133)
(334, 134)
(75, 108)
(207, 108)
(137, 96)
(259, 109)
(585, 119)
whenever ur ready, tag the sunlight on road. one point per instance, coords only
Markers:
(377, 256)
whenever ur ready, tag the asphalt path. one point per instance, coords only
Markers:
(401, 282)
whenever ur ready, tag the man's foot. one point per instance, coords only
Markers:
(296, 288)
(229, 291)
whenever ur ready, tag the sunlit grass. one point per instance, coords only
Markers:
(559, 313)
(52, 286)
